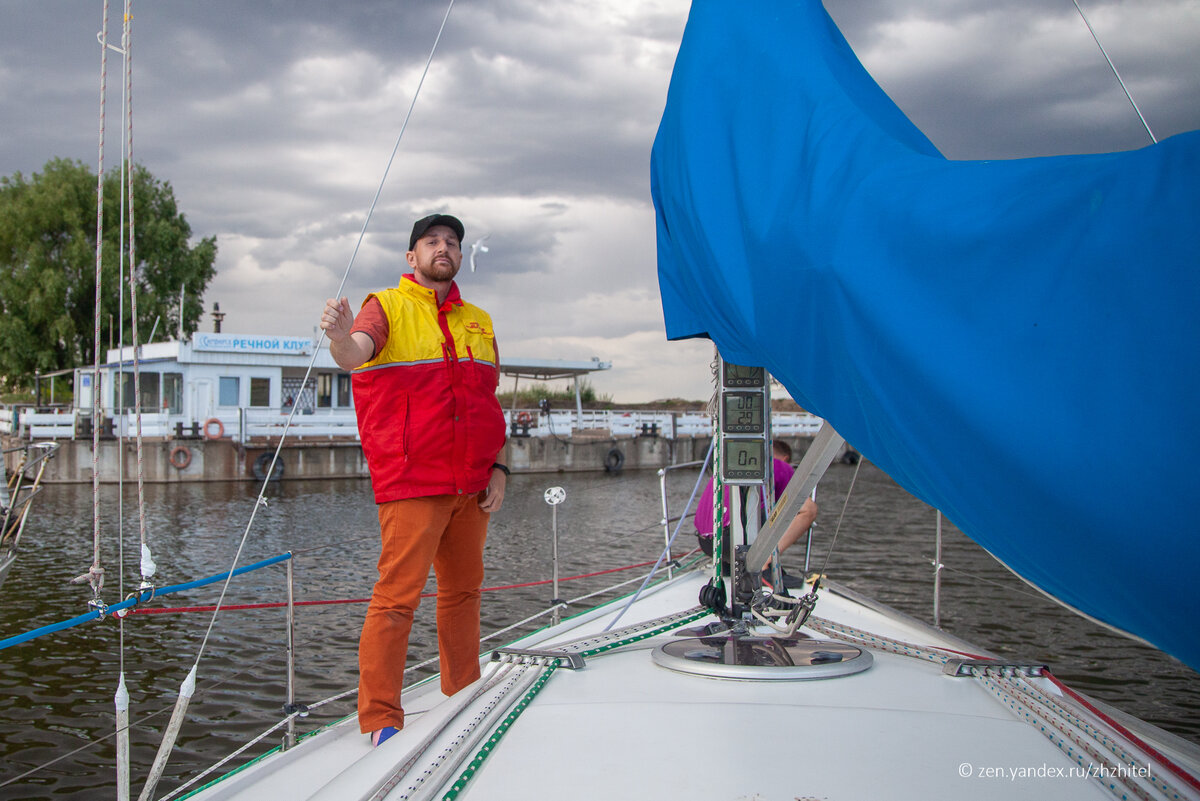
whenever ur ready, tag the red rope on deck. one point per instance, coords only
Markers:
(276, 605)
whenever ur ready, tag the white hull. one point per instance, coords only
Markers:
(624, 727)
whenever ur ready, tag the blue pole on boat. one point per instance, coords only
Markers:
(274, 560)
(145, 595)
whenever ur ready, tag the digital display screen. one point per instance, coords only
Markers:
(740, 377)
(744, 460)
(743, 413)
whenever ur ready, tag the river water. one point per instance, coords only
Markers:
(56, 692)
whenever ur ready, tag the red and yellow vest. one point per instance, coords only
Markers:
(426, 403)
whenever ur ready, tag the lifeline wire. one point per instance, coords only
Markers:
(261, 501)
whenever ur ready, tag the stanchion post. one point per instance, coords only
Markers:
(289, 739)
(666, 518)
(554, 496)
(937, 574)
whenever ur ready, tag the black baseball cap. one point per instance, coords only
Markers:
(425, 223)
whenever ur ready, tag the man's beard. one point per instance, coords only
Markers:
(439, 270)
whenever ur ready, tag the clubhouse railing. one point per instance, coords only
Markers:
(244, 425)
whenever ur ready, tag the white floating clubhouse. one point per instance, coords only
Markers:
(245, 387)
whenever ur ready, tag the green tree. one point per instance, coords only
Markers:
(48, 267)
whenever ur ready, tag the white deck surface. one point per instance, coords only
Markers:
(625, 728)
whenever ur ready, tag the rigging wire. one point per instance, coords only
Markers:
(837, 529)
(261, 500)
(188, 685)
(121, 699)
(1113, 67)
(666, 552)
(993, 582)
(95, 575)
(146, 564)
(122, 402)
(952, 569)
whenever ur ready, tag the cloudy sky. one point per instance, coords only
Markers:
(274, 121)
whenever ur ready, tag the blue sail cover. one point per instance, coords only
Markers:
(1014, 342)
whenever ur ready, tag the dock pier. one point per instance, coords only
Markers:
(324, 446)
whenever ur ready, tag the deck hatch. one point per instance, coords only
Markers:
(755, 658)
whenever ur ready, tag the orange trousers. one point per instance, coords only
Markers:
(446, 532)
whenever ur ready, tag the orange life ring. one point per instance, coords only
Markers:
(524, 418)
(180, 457)
(220, 428)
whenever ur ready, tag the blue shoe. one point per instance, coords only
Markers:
(381, 735)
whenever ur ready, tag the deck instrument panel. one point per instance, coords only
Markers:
(743, 418)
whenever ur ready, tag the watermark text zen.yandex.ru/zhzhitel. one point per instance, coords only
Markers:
(968, 770)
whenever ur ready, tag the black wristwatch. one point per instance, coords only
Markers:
(501, 468)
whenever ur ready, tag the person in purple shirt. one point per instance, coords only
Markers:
(803, 520)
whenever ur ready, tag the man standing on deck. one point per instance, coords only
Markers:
(425, 371)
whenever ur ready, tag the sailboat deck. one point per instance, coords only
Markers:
(625, 727)
(901, 727)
